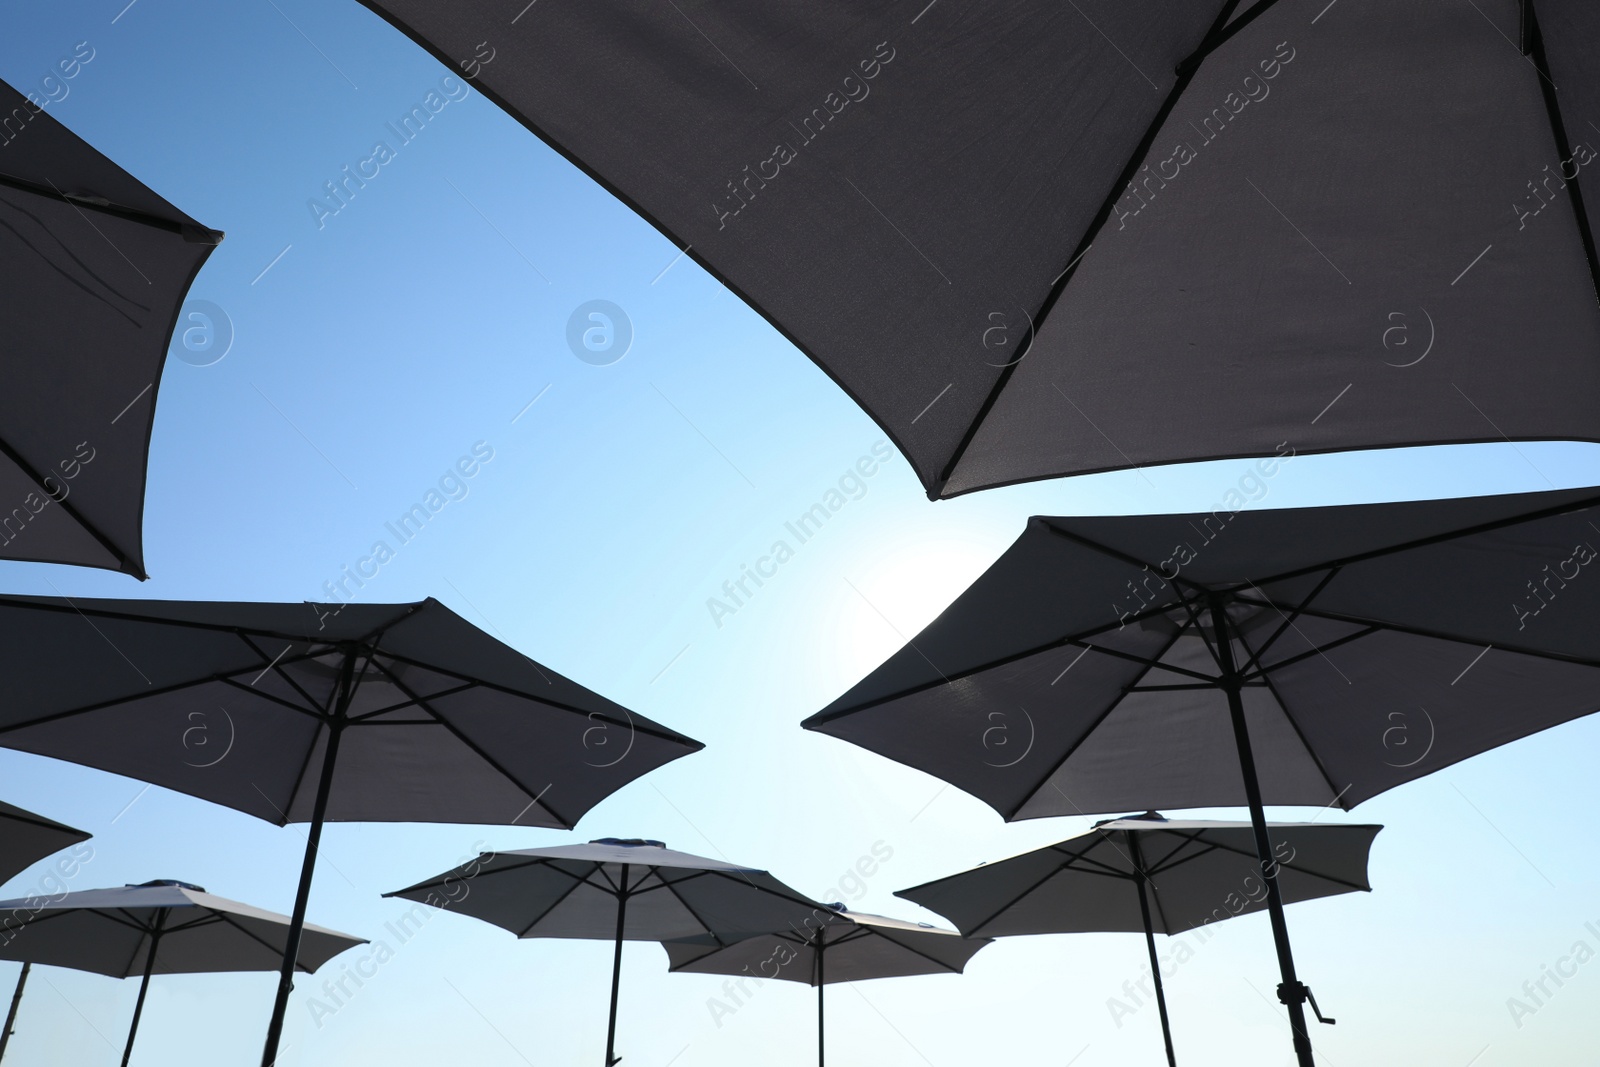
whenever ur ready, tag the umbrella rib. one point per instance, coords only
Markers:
(1434, 539)
(695, 915)
(324, 724)
(1418, 631)
(126, 561)
(941, 964)
(1534, 48)
(1125, 557)
(573, 888)
(365, 716)
(271, 951)
(1152, 664)
(199, 234)
(275, 664)
(1316, 757)
(452, 873)
(1072, 749)
(473, 745)
(1211, 44)
(654, 731)
(1060, 868)
(1076, 640)
(1318, 650)
(1059, 286)
(270, 697)
(1288, 620)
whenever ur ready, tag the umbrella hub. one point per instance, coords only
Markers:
(629, 842)
(167, 882)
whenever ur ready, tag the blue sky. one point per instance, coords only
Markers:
(374, 346)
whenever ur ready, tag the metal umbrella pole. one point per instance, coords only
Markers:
(11, 1016)
(144, 984)
(297, 922)
(1142, 879)
(616, 970)
(1292, 993)
(821, 1046)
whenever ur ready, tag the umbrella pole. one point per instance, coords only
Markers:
(616, 971)
(319, 811)
(1290, 991)
(1150, 943)
(144, 986)
(821, 1046)
(11, 1016)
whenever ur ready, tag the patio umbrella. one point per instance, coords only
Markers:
(94, 266)
(26, 838)
(860, 947)
(316, 713)
(1149, 873)
(617, 890)
(1034, 239)
(1360, 647)
(160, 927)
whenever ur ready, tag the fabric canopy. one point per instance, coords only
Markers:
(94, 267)
(1036, 239)
(1198, 872)
(26, 838)
(860, 947)
(1373, 644)
(571, 891)
(233, 702)
(112, 931)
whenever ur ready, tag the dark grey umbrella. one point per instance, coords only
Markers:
(1363, 646)
(828, 950)
(1150, 874)
(617, 890)
(26, 838)
(161, 927)
(1034, 238)
(316, 713)
(94, 266)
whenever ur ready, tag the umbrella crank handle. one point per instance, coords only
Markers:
(1300, 993)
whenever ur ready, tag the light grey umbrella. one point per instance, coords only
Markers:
(849, 946)
(26, 838)
(617, 890)
(1152, 874)
(161, 927)
(316, 713)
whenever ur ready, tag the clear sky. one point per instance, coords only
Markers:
(374, 345)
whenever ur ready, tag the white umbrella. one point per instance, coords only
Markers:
(162, 927)
(617, 890)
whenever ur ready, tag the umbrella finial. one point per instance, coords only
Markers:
(167, 882)
(629, 842)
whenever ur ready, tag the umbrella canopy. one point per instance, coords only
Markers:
(161, 927)
(862, 947)
(1149, 874)
(317, 712)
(618, 890)
(1372, 644)
(94, 266)
(1197, 872)
(1036, 239)
(1301, 656)
(26, 838)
